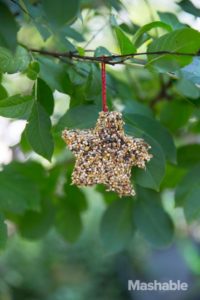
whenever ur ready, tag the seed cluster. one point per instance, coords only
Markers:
(106, 155)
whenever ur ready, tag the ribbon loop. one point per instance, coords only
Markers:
(103, 81)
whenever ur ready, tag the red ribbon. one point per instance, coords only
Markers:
(103, 81)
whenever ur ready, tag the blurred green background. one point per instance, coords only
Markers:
(42, 263)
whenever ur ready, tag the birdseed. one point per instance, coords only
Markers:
(105, 154)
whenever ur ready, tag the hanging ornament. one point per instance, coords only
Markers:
(105, 154)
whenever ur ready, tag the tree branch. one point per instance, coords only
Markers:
(163, 92)
(112, 59)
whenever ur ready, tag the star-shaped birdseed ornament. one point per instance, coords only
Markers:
(105, 154)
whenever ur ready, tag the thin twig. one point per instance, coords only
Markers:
(110, 59)
(95, 35)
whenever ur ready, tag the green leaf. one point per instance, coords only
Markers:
(18, 193)
(74, 196)
(185, 40)
(187, 194)
(130, 28)
(113, 21)
(155, 130)
(61, 12)
(93, 86)
(24, 144)
(116, 228)
(133, 106)
(189, 8)
(170, 19)
(38, 131)
(192, 205)
(81, 51)
(188, 183)
(3, 232)
(151, 219)
(38, 18)
(68, 222)
(14, 63)
(3, 92)
(173, 176)
(194, 127)
(188, 155)
(152, 175)
(54, 74)
(72, 33)
(21, 59)
(82, 116)
(78, 74)
(8, 28)
(107, 197)
(59, 42)
(33, 70)
(117, 4)
(154, 171)
(53, 179)
(175, 114)
(31, 170)
(188, 88)
(16, 106)
(157, 24)
(5, 59)
(85, 81)
(45, 96)
(34, 225)
(192, 71)
(125, 44)
(102, 51)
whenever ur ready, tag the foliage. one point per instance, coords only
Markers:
(160, 101)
